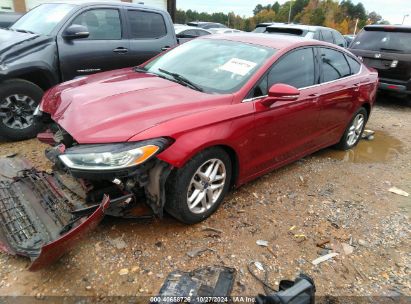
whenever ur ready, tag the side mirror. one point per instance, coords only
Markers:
(76, 31)
(280, 92)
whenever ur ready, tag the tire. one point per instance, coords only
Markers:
(18, 100)
(349, 140)
(183, 182)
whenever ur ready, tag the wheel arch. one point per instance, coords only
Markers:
(185, 156)
(38, 76)
(367, 107)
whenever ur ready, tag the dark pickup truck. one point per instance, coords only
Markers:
(58, 42)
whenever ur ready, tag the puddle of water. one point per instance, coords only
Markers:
(382, 148)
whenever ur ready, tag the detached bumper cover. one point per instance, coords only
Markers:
(38, 219)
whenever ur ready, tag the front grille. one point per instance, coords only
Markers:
(55, 203)
(18, 225)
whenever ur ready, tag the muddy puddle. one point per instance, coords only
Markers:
(384, 147)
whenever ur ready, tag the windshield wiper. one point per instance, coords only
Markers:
(182, 80)
(21, 31)
(393, 50)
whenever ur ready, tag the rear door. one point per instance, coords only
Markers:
(148, 33)
(105, 48)
(339, 90)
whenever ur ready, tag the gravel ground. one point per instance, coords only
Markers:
(337, 198)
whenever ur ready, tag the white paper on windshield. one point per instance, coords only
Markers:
(238, 66)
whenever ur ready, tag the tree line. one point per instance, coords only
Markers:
(341, 16)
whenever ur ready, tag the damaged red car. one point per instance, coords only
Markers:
(176, 133)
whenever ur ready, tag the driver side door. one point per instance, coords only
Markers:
(287, 130)
(104, 49)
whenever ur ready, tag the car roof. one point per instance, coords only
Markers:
(181, 27)
(388, 27)
(81, 3)
(274, 41)
(299, 26)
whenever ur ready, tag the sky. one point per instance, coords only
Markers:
(391, 10)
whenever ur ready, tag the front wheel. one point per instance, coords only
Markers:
(18, 100)
(353, 133)
(196, 190)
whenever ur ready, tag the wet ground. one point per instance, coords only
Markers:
(340, 199)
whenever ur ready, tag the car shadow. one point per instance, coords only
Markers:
(392, 100)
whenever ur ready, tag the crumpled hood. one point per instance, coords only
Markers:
(114, 106)
(12, 42)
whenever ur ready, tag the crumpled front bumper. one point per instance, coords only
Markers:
(39, 219)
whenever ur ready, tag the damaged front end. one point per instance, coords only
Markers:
(118, 169)
(43, 214)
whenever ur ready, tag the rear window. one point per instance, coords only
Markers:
(385, 41)
(146, 25)
(286, 31)
(260, 29)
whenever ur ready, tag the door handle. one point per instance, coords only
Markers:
(120, 50)
(356, 87)
(314, 95)
(165, 48)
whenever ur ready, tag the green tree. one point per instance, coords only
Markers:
(276, 7)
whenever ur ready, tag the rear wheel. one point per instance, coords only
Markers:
(18, 100)
(196, 190)
(353, 133)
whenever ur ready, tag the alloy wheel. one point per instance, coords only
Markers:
(16, 111)
(355, 129)
(206, 186)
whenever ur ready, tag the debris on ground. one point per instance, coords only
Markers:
(198, 251)
(398, 191)
(324, 258)
(262, 243)
(210, 281)
(368, 134)
(118, 243)
(347, 249)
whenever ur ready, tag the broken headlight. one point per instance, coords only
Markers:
(111, 156)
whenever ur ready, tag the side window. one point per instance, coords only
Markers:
(295, 68)
(102, 24)
(146, 25)
(317, 35)
(327, 36)
(339, 39)
(334, 65)
(354, 65)
(202, 33)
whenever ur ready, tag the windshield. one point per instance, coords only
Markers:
(43, 18)
(214, 66)
(383, 41)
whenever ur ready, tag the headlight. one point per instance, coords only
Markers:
(111, 157)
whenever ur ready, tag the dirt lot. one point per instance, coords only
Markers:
(330, 196)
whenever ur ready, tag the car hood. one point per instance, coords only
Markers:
(14, 43)
(115, 106)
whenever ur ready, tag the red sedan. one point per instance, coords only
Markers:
(217, 112)
(178, 131)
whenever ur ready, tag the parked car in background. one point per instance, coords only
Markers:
(223, 31)
(7, 19)
(57, 42)
(206, 25)
(387, 48)
(309, 31)
(185, 33)
(261, 27)
(349, 39)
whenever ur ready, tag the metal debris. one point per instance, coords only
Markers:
(398, 191)
(324, 258)
(262, 243)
